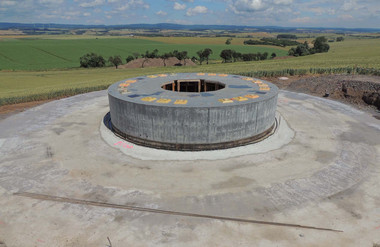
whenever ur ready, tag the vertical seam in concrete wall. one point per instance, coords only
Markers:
(208, 125)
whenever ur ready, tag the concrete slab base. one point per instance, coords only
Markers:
(326, 175)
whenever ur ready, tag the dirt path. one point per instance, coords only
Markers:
(8, 110)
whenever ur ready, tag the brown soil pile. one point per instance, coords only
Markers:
(156, 62)
(362, 91)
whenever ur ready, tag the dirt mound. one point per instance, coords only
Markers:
(156, 62)
(359, 90)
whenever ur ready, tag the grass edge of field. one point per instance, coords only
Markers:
(67, 92)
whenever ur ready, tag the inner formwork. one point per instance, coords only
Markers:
(193, 85)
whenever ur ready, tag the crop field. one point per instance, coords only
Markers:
(22, 86)
(41, 54)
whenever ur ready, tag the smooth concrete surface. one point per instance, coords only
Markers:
(200, 118)
(327, 176)
(280, 136)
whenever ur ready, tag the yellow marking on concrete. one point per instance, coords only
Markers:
(257, 82)
(252, 96)
(152, 76)
(248, 79)
(239, 98)
(162, 75)
(180, 102)
(212, 74)
(222, 75)
(124, 84)
(149, 99)
(200, 73)
(225, 100)
(264, 88)
(163, 101)
(130, 81)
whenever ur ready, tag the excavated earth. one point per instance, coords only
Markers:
(359, 90)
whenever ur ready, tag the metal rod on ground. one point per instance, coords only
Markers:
(158, 211)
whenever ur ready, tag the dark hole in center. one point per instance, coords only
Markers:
(193, 86)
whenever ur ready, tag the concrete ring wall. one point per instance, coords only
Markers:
(142, 112)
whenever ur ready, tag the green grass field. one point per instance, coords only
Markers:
(21, 86)
(47, 54)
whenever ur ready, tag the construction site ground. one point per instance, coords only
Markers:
(326, 175)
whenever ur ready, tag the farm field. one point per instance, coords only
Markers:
(19, 86)
(46, 54)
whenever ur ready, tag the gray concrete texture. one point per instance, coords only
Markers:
(202, 120)
(326, 175)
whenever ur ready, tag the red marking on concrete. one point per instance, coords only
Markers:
(41, 241)
(378, 227)
(124, 145)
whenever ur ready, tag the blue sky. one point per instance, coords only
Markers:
(299, 13)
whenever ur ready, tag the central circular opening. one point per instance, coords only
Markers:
(193, 85)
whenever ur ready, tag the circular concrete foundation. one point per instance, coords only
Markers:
(326, 175)
(193, 111)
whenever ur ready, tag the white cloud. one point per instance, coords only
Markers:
(7, 3)
(91, 3)
(73, 13)
(301, 20)
(247, 6)
(284, 2)
(346, 17)
(349, 5)
(196, 10)
(178, 6)
(132, 4)
(161, 13)
(240, 6)
(50, 1)
(86, 14)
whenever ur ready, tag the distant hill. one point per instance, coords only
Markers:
(172, 26)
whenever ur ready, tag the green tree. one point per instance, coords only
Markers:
(145, 59)
(273, 55)
(115, 60)
(92, 60)
(200, 56)
(165, 56)
(236, 55)
(320, 45)
(228, 41)
(226, 55)
(339, 39)
(206, 54)
(180, 55)
(129, 58)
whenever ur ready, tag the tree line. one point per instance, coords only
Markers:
(271, 41)
(92, 60)
(320, 45)
(228, 55)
